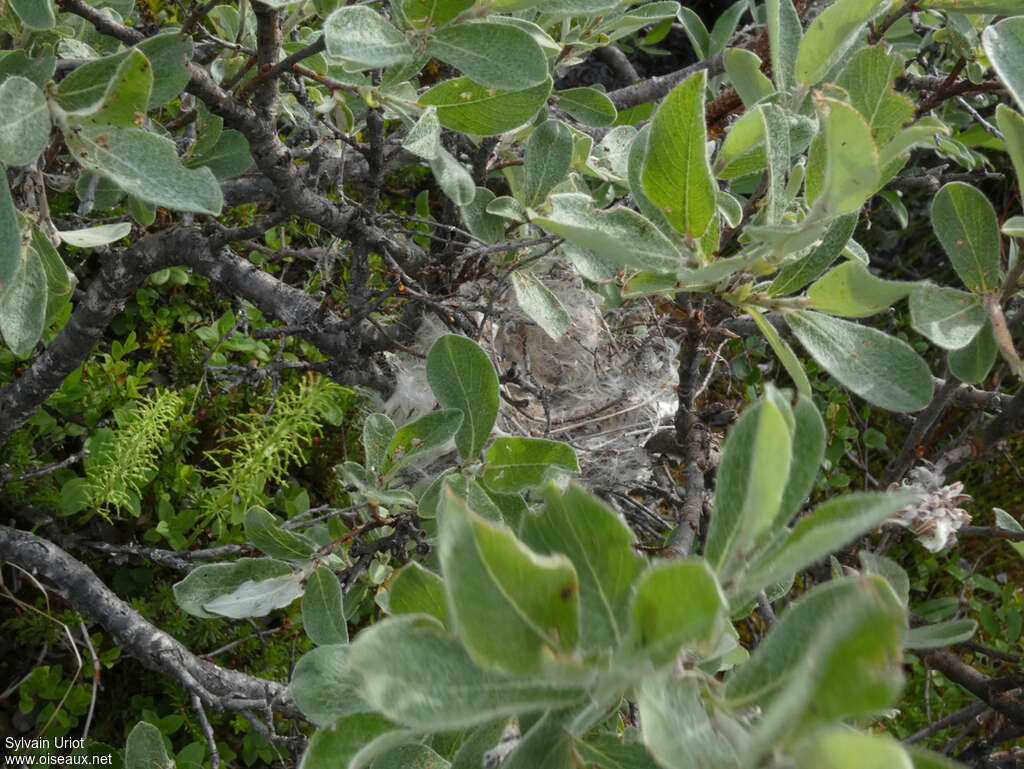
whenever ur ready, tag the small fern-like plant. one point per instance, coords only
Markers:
(264, 446)
(124, 461)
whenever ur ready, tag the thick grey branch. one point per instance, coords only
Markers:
(217, 687)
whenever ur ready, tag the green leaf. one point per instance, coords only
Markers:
(378, 431)
(890, 571)
(611, 752)
(34, 14)
(324, 687)
(600, 546)
(795, 275)
(257, 598)
(422, 438)
(1006, 521)
(1004, 46)
(725, 26)
(675, 604)
(971, 6)
(618, 234)
(462, 377)
(339, 744)
(472, 108)
(227, 158)
(927, 759)
(831, 526)
(830, 36)
(676, 173)
(743, 151)
(205, 583)
(323, 610)
(488, 227)
(868, 78)
(145, 165)
(920, 133)
(853, 292)
(99, 235)
(784, 35)
(166, 53)
(676, 727)
(948, 317)
(420, 675)
(837, 747)
(546, 160)
(588, 105)
(851, 159)
(364, 39)
(751, 480)
(410, 756)
(23, 302)
(972, 362)
(808, 450)
(693, 26)
(483, 51)
(783, 352)
(940, 634)
(513, 464)
(261, 528)
(544, 746)
(511, 607)
(454, 180)
(744, 70)
(126, 96)
(576, 7)
(777, 152)
(25, 128)
(415, 590)
(144, 748)
(540, 305)
(436, 13)
(966, 226)
(843, 638)
(60, 282)
(1011, 123)
(881, 369)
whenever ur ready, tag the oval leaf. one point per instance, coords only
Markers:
(830, 36)
(948, 317)
(257, 598)
(462, 377)
(966, 226)
(881, 369)
(1004, 45)
(362, 37)
(853, 292)
(546, 160)
(323, 611)
(751, 481)
(513, 464)
(511, 607)
(323, 686)
(95, 236)
(420, 675)
(475, 109)
(676, 173)
(145, 165)
(588, 105)
(484, 51)
(618, 234)
(25, 126)
(23, 303)
(205, 583)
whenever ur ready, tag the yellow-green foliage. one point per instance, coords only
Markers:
(264, 445)
(126, 458)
